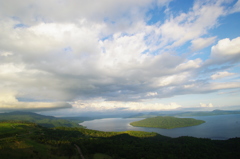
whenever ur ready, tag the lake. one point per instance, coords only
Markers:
(219, 127)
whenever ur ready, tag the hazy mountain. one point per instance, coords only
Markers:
(190, 113)
(208, 113)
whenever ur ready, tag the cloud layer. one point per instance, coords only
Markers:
(9, 103)
(65, 51)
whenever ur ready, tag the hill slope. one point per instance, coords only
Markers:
(46, 121)
(167, 122)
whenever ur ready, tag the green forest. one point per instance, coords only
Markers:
(29, 140)
(167, 122)
(25, 139)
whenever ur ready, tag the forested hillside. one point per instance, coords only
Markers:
(167, 122)
(28, 141)
(46, 121)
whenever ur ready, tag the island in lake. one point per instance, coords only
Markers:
(167, 122)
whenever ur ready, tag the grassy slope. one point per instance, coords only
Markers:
(166, 122)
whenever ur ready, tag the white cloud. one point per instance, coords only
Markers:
(192, 25)
(227, 47)
(224, 85)
(221, 75)
(68, 50)
(6, 54)
(189, 86)
(84, 106)
(200, 43)
(225, 51)
(210, 105)
(30, 12)
(172, 80)
(151, 94)
(190, 64)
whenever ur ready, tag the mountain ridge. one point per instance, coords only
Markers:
(46, 121)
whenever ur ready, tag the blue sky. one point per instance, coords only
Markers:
(68, 57)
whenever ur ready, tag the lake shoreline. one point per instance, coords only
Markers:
(215, 127)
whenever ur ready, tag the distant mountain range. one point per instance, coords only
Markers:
(186, 114)
(208, 113)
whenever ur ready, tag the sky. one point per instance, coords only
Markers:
(76, 57)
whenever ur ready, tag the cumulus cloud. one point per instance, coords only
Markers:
(226, 50)
(227, 47)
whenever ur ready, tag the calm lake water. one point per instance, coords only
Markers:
(219, 127)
